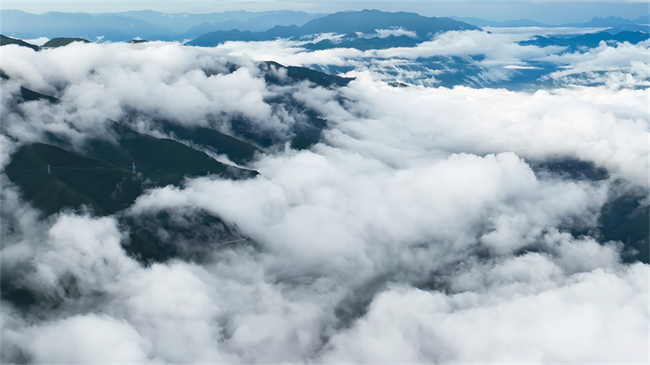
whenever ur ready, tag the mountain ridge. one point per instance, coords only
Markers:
(598, 22)
(342, 23)
(128, 25)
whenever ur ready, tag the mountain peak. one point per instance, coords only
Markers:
(365, 21)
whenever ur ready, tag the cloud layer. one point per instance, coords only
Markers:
(418, 229)
(494, 56)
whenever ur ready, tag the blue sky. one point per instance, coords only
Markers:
(554, 12)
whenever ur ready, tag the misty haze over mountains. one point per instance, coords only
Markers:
(144, 24)
(153, 25)
(371, 32)
(323, 188)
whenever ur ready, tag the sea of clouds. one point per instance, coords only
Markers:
(415, 231)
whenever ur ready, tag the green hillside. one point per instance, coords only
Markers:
(103, 177)
(237, 151)
(73, 180)
(163, 161)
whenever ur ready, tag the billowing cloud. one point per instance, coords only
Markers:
(554, 321)
(567, 122)
(419, 228)
(498, 57)
(620, 65)
(384, 33)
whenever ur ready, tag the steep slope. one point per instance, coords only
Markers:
(163, 161)
(237, 151)
(4, 40)
(71, 180)
(30, 95)
(27, 94)
(308, 123)
(102, 178)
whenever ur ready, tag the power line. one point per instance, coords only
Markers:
(27, 170)
(49, 168)
(225, 243)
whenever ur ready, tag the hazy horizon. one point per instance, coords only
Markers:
(546, 12)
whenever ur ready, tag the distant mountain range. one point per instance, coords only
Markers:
(587, 40)
(448, 71)
(640, 24)
(93, 27)
(351, 23)
(508, 23)
(363, 30)
(149, 25)
(214, 28)
(257, 24)
(183, 23)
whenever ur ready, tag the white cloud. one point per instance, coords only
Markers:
(623, 65)
(384, 33)
(502, 55)
(38, 41)
(411, 191)
(610, 131)
(465, 43)
(83, 339)
(559, 323)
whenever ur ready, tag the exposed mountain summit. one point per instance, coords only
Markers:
(367, 21)
(4, 40)
(61, 42)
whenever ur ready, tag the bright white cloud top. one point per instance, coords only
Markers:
(416, 230)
